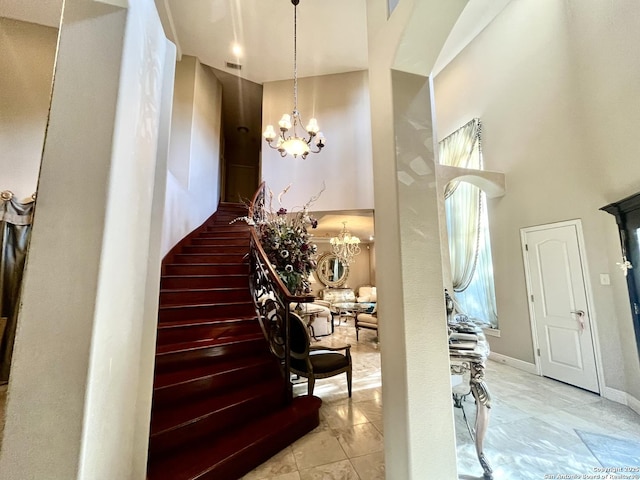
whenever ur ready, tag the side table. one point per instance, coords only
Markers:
(468, 352)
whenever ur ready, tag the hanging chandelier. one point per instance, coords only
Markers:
(288, 141)
(345, 245)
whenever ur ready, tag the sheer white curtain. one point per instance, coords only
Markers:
(468, 227)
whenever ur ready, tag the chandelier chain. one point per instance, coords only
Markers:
(287, 141)
(295, 58)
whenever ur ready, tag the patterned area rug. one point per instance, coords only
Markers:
(612, 452)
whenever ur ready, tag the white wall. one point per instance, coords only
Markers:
(193, 180)
(341, 104)
(27, 54)
(553, 83)
(75, 406)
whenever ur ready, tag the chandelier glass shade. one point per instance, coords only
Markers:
(287, 140)
(345, 246)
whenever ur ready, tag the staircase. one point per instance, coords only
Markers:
(219, 404)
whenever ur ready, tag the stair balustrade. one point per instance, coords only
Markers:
(271, 297)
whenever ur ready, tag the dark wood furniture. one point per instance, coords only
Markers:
(313, 362)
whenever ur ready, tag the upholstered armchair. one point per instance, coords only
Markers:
(312, 362)
(366, 320)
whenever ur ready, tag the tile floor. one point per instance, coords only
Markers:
(539, 428)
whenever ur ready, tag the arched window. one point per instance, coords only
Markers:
(468, 227)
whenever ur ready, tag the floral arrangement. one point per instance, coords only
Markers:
(286, 242)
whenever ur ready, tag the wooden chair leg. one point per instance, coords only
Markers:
(357, 333)
(349, 381)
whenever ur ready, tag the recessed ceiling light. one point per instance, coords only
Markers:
(237, 50)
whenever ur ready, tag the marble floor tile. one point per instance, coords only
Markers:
(371, 409)
(333, 471)
(616, 418)
(360, 440)
(379, 426)
(317, 449)
(280, 464)
(370, 467)
(538, 443)
(538, 426)
(612, 452)
(287, 476)
(343, 415)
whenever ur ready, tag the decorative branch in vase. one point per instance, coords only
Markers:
(286, 241)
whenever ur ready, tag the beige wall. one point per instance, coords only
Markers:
(408, 261)
(341, 105)
(27, 54)
(80, 388)
(193, 180)
(359, 270)
(554, 85)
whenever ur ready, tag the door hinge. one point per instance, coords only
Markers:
(532, 297)
(538, 352)
(526, 247)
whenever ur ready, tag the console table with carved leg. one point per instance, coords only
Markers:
(467, 358)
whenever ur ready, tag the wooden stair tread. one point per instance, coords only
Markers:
(201, 305)
(173, 348)
(173, 417)
(218, 392)
(170, 379)
(199, 461)
(203, 321)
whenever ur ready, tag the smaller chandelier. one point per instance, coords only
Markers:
(345, 245)
(289, 142)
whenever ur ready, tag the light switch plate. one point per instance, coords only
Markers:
(604, 279)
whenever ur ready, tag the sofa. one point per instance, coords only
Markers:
(338, 295)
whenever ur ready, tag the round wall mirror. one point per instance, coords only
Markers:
(331, 272)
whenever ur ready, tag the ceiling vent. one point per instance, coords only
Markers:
(234, 66)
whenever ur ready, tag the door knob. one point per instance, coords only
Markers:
(580, 314)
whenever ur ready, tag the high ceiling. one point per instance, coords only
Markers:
(332, 38)
(332, 34)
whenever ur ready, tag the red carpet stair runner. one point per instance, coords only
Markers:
(219, 408)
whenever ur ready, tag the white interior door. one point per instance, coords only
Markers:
(558, 300)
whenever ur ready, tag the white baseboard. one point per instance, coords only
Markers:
(614, 395)
(513, 362)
